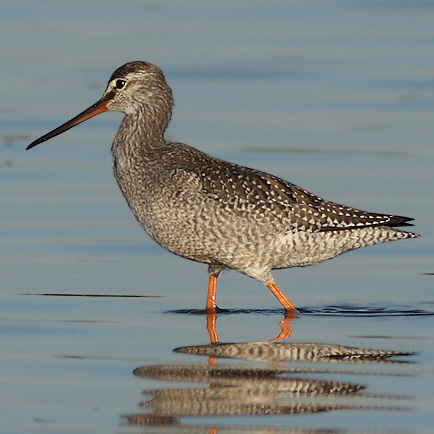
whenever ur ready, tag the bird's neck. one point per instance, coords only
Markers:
(138, 136)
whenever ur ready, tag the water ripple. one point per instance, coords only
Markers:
(331, 310)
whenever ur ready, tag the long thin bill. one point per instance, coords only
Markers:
(96, 109)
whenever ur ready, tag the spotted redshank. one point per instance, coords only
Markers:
(215, 212)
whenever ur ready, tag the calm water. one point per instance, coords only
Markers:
(335, 96)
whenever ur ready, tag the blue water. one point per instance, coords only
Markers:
(337, 97)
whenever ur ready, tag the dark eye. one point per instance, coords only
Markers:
(120, 84)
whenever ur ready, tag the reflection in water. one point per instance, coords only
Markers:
(246, 390)
(285, 327)
(297, 352)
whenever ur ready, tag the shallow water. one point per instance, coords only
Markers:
(334, 96)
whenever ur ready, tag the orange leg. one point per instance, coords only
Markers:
(212, 292)
(211, 320)
(285, 327)
(281, 297)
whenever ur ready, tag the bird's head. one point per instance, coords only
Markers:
(136, 89)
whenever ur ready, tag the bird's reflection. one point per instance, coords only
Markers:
(285, 327)
(275, 388)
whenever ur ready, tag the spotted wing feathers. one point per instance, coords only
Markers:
(270, 198)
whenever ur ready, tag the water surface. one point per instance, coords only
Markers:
(336, 97)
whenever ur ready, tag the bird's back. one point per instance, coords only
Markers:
(213, 211)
